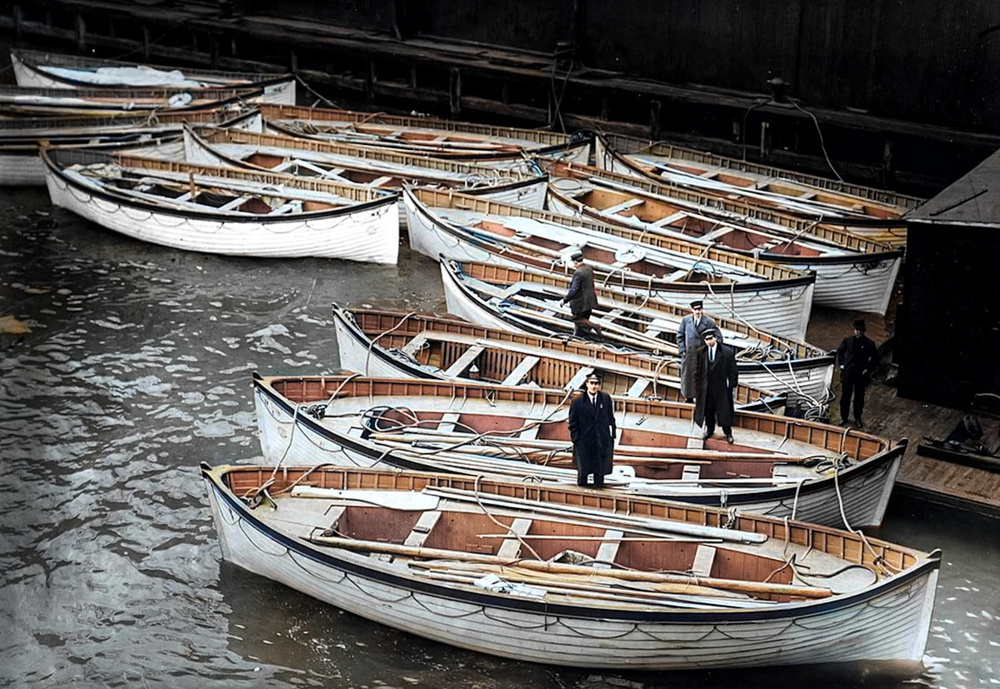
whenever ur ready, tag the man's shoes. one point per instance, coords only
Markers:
(689, 400)
(707, 435)
(858, 424)
(598, 484)
(845, 423)
(730, 439)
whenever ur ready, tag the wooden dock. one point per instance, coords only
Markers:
(895, 418)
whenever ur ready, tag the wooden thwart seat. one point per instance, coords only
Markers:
(464, 361)
(669, 219)
(422, 529)
(578, 378)
(704, 557)
(334, 514)
(638, 387)
(511, 547)
(529, 433)
(521, 370)
(691, 472)
(415, 345)
(624, 206)
(608, 550)
(448, 421)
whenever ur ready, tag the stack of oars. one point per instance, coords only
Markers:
(593, 586)
(575, 579)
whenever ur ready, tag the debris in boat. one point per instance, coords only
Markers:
(491, 582)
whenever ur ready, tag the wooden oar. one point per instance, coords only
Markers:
(752, 587)
(603, 539)
(681, 599)
(594, 577)
(393, 499)
(651, 524)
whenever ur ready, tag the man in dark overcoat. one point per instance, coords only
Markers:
(857, 357)
(715, 378)
(592, 429)
(582, 297)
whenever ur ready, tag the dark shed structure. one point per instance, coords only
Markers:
(948, 332)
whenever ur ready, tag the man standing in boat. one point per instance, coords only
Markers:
(593, 429)
(582, 297)
(856, 357)
(689, 338)
(715, 377)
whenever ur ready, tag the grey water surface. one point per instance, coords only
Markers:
(137, 368)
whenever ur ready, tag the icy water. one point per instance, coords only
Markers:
(137, 368)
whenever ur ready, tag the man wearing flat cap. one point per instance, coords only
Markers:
(689, 333)
(857, 357)
(715, 377)
(582, 297)
(592, 429)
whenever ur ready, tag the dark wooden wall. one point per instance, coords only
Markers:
(948, 332)
(901, 95)
(931, 61)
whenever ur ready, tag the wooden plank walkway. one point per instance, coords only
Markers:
(893, 417)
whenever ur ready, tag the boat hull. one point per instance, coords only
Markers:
(369, 234)
(278, 91)
(889, 621)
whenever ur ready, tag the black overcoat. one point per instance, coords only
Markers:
(582, 296)
(716, 380)
(857, 356)
(592, 429)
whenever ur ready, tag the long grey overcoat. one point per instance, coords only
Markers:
(689, 339)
